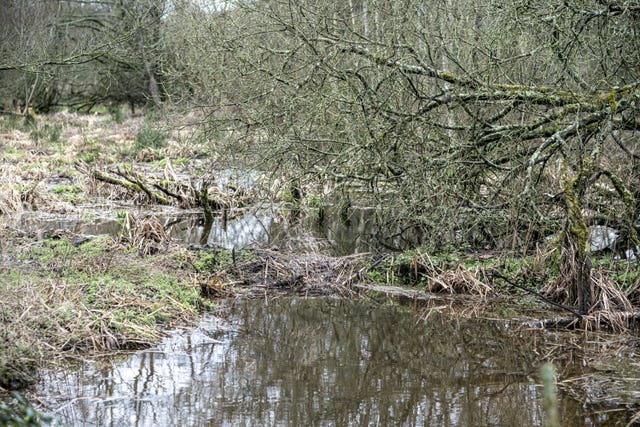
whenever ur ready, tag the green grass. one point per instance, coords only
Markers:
(69, 193)
(117, 115)
(91, 151)
(217, 260)
(48, 133)
(180, 161)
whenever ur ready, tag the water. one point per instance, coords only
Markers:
(237, 228)
(318, 362)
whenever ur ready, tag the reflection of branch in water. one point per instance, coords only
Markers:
(206, 231)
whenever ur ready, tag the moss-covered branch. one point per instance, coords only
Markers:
(135, 185)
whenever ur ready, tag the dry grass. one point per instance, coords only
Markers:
(459, 281)
(423, 270)
(20, 189)
(258, 270)
(65, 300)
(64, 144)
(146, 234)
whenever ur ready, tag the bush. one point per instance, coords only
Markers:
(22, 413)
(149, 137)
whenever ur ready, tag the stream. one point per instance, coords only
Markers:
(319, 362)
(268, 226)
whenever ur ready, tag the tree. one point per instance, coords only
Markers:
(80, 53)
(490, 125)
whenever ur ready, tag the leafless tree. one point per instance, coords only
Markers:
(490, 124)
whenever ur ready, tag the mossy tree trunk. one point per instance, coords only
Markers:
(576, 262)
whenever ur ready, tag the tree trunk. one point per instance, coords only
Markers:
(577, 262)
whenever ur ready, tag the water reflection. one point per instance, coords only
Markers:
(316, 362)
(238, 228)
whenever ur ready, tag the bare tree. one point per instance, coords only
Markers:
(81, 53)
(491, 124)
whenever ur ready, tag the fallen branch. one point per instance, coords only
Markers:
(136, 186)
(534, 293)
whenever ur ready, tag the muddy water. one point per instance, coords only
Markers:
(318, 362)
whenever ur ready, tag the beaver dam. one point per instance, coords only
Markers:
(141, 287)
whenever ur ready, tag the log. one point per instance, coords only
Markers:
(399, 292)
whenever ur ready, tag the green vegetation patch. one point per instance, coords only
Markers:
(20, 412)
(149, 137)
(47, 132)
(222, 259)
(68, 193)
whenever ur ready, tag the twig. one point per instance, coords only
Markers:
(534, 293)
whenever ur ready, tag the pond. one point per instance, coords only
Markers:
(239, 228)
(320, 362)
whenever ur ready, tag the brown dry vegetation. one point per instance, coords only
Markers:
(66, 299)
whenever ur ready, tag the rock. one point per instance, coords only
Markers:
(602, 237)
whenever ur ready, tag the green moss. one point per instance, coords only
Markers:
(612, 102)
(577, 225)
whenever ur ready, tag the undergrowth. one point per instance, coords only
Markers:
(459, 272)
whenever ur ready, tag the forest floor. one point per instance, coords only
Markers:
(88, 268)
